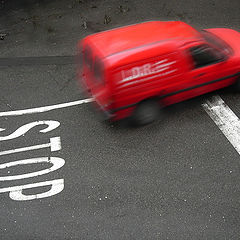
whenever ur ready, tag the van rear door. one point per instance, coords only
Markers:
(95, 79)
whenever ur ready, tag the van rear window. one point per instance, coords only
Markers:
(88, 57)
(98, 71)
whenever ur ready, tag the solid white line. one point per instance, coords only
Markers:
(225, 119)
(44, 109)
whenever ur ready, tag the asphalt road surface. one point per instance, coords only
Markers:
(66, 175)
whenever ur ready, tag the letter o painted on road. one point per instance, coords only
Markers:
(55, 161)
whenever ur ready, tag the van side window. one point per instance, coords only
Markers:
(98, 71)
(203, 55)
(88, 57)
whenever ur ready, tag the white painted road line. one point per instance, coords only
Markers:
(225, 119)
(44, 109)
(28, 186)
(55, 145)
(16, 192)
(55, 161)
(220, 113)
(25, 128)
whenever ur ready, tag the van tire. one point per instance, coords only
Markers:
(146, 112)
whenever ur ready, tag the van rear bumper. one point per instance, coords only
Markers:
(105, 114)
(102, 113)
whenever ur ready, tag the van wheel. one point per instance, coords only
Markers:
(146, 112)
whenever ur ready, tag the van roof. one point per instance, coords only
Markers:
(132, 36)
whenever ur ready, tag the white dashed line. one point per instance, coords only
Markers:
(225, 119)
(44, 109)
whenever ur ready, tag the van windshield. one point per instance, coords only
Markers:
(95, 65)
(219, 43)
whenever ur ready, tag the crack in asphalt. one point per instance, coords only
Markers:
(65, 85)
(4, 101)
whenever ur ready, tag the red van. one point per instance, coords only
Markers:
(134, 70)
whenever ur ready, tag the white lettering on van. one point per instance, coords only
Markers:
(147, 69)
(148, 78)
(159, 62)
(123, 74)
(135, 72)
(164, 65)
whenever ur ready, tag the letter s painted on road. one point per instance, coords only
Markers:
(25, 128)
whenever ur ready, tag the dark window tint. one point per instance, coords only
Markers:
(216, 41)
(98, 71)
(203, 55)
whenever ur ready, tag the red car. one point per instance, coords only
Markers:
(135, 70)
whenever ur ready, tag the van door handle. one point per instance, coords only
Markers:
(200, 75)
